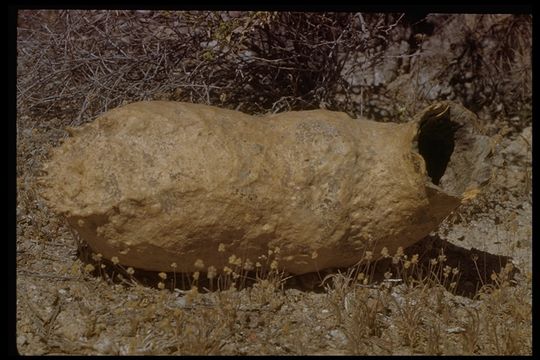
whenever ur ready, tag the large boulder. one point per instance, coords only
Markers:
(155, 183)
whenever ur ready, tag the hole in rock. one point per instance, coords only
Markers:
(436, 141)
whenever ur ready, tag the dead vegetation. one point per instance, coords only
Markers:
(73, 65)
(254, 62)
(409, 314)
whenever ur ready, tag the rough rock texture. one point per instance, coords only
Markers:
(160, 182)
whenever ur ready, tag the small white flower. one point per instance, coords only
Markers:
(199, 264)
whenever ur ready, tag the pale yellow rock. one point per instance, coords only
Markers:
(156, 183)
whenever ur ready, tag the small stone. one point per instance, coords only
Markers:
(103, 345)
(338, 335)
(181, 302)
(446, 90)
(21, 340)
(71, 327)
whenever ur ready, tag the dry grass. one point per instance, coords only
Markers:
(416, 314)
(73, 65)
(409, 314)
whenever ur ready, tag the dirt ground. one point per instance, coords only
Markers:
(471, 297)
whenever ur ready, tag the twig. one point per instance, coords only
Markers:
(49, 323)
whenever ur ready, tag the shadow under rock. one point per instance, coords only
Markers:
(475, 266)
(475, 269)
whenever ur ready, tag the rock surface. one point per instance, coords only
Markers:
(156, 183)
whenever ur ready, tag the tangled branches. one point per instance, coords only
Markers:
(84, 62)
(77, 64)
